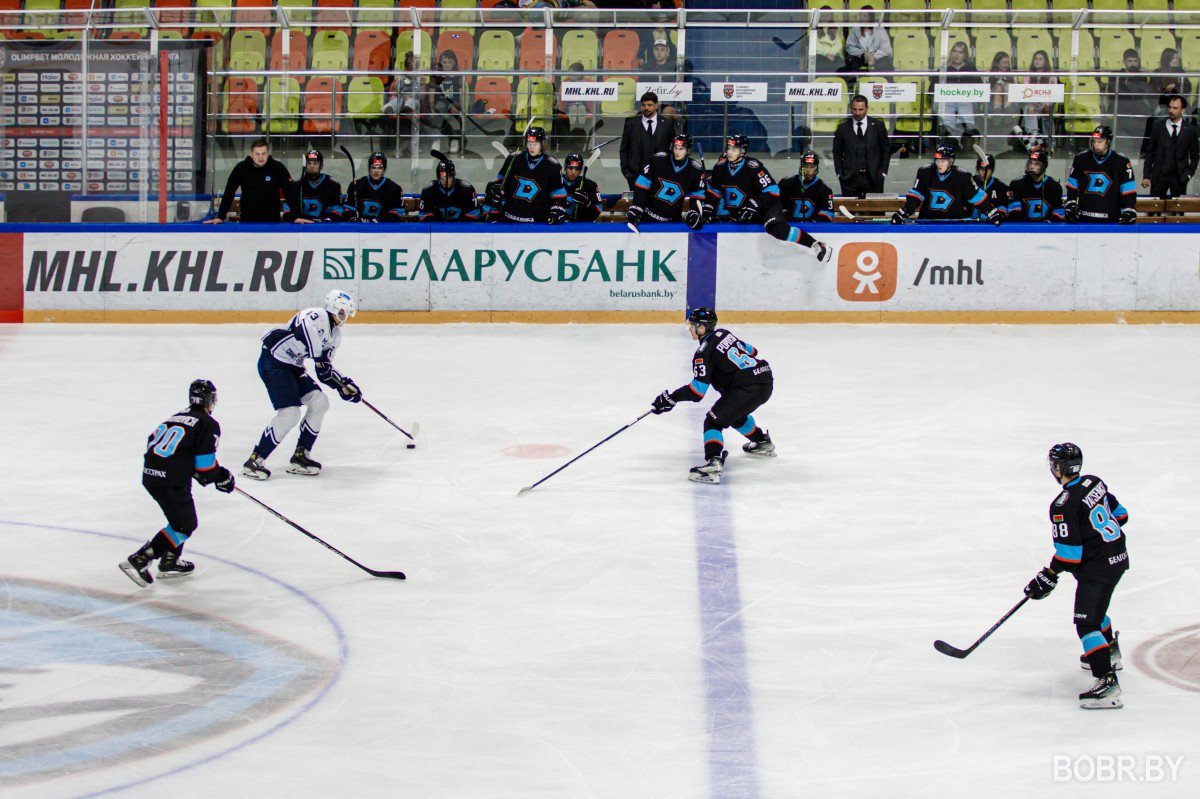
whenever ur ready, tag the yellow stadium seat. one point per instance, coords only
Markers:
(364, 98)
(299, 12)
(914, 117)
(1189, 48)
(248, 51)
(1028, 43)
(998, 8)
(580, 47)
(1087, 49)
(331, 51)
(1151, 5)
(1111, 45)
(535, 98)
(497, 53)
(828, 114)
(1035, 5)
(910, 49)
(1110, 5)
(458, 18)
(626, 101)
(381, 15)
(1151, 46)
(404, 46)
(283, 106)
(1069, 5)
(988, 43)
(1081, 109)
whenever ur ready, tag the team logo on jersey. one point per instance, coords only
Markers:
(1037, 209)
(370, 208)
(867, 271)
(452, 212)
(734, 197)
(1098, 183)
(311, 207)
(526, 189)
(939, 200)
(669, 192)
(804, 209)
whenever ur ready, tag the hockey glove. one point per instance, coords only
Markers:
(995, 216)
(900, 217)
(1042, 584)
(694, 219)
(581, 196)
(748, 211)
(1128, 216)
(224, 481)
(557, 215)
(350, 391)
(633, 216)
(1071, 211)
(493, 194)
(662, 403)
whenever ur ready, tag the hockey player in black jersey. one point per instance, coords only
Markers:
(529, 186)
(375, 197)
(660, 189)
(740, 376)
(997, 193)
(943, 191)
(182, 448)
(750, 196)
(1086, 522)
(583, 195)
(448, 199)
(805, 197)
(1101, 186)
(315, 197)
(1036, 196)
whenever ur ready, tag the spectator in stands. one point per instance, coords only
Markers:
(660, 67)
(959, 118)
(1003, 115)
(861, 151)
(1036, 121)
(1169, 80)
(1172, 153)
(868, 47)
(1132, 99)
(405, 99)
(443, 99)
(830, 44)
(262, 179)
(644, 135)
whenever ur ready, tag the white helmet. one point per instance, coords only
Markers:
(341, 304)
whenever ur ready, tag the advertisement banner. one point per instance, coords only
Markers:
(811, 92)
(890, 92)
(391, 271)
(590, 91)
(961, 92)
(1036, 92)
(678, 92)
(739, 92)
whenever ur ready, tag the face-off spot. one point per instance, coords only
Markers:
(535, 451)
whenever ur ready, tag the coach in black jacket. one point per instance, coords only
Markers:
(638, 144)
(261, 178)
(861, 151)
(1172, 153)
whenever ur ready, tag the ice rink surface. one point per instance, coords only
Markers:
(620, 631)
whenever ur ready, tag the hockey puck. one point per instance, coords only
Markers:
(412, 446)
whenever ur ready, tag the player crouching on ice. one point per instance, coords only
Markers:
(313, 333)
(181, 449)
(743, 380)
(1085, 523)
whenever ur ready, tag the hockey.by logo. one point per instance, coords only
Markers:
(339, 264)
(867, 271)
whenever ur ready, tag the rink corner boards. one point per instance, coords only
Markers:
(474, 273)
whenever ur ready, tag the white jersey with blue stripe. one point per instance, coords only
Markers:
(310, 334)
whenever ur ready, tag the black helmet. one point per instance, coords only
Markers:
(945, 151)
(703, 316)
(737, 140)
(535, 134)
(314, 155)
(573, 160)
(1037, 155)
(1067, 458)
(988, 163)
(377, 158)
(810, 158)
(445, 168)
(202, 392)
(1103, 132)
(682, 138)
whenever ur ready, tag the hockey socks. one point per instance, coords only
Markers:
(714, 443)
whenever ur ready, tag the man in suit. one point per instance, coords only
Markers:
(644, 135)
(861, 151)
(1172, 153)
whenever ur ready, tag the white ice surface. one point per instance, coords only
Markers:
(552, 645)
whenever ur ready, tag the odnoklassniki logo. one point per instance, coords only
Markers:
(867, 271)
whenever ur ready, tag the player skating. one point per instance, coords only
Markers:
(1085, 523)
(740, 376)
(314, 333)
(376, 197)
(659, 191)
(749, 195)
(943, 191)
(181, 449)
(805, 197)
(1037, 197)
(1101, 186)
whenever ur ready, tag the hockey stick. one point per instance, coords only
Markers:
(782, 45)
(954, 652)
(353, 179)
(411, 436)
(330, 547)
(529, 488)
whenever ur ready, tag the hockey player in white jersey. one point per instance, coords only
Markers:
(313, 333)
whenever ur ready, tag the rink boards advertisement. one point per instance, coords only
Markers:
(601, 273)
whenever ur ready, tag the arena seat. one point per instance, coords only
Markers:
(533, 50)
(1111, 5)
(218, 14)
(989, 42)
(461, 44)
(1151, 44)
(905, 5)
(364, 97)
(621, 50)
(322, 105)
(1189, 49)
(1081, 108)
(497, 52)
(910, 49)
(241, 106)
(1151, 5)
(372, 51)
(1111, 45)
(827, 114)
(299, 12)
(331, 15)
(248, 51)
(626, 102)
(535, 99)
(331, 51)
(1000, 7)
(1087, 49)
(404, 46)
(283, 105)
(1028, 43)
(297, 56)
(378, 15)
(246, 16)
(580, 47)
(493, 97)
(956, 34)
(453, 18)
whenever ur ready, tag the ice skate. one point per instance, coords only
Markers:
(255, 468)
(1105, 694)
(709, 472)
(170, 565)
(1114, 652)
(137, 566)
(760, 449)
(302, 464)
